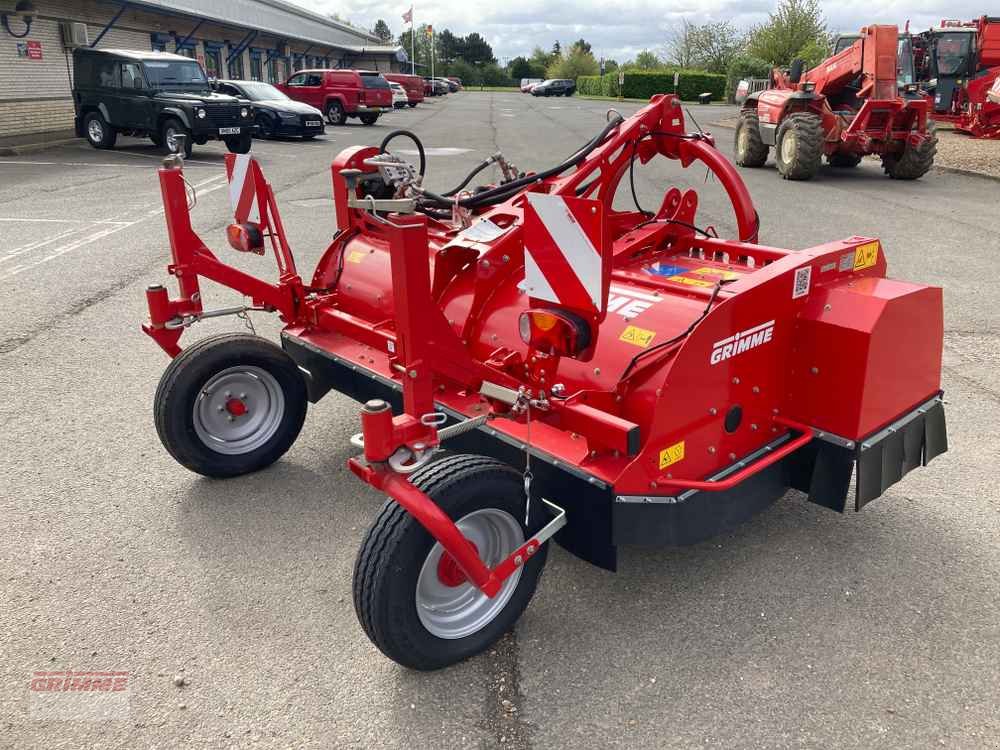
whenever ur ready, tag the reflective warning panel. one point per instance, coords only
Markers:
(564, 258)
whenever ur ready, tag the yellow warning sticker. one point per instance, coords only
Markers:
(866, 255)
(356, 256)
(673, 454)
(690, 281)
(638, 336)
(719, 272)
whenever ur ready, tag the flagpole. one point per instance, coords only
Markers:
(432, 51)
(413, 36)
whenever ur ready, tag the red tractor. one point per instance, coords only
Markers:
(963, 63)
(844, 108)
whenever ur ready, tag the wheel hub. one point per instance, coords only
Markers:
(788, 147)
(447, 604)
(238, 410)
(95, 130)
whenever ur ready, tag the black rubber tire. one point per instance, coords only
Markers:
(844, 161)
(240, 144)
(413, 104)
(108, 134)
(368, 119)
(796, 69)
(396, 546)
(308, 136)
(335, 114)
(178, 127)
(265, 125)
(157, 139)
(807, 155)
(181, 384)
(914, 163)
(750, 149)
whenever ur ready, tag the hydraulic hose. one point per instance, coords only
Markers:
(412, 137)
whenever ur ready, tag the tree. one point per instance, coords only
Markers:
(682, 44)
(541, 59)
(474, 49)
(577, 63)
(717, 45)
(610, 65)
(795, 25)
(556, 49)
(646, 60)
(422, 53)
(582, 44)
(449, 47)
(520, 67)
(382, 31)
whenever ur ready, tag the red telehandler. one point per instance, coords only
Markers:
(846, 107)
(962, 64)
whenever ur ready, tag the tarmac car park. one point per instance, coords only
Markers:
(230, 603)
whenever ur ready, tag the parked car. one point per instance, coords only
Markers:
(341, 94)
(457, 81)
(528, 83)
(399, 98)
(155, 95)
(452, 86)
(414, 86)
(554, 87)
(435, 86)
(274, 113)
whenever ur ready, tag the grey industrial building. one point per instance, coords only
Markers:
(252, 39)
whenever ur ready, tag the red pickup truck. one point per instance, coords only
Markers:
(340, 94)
(412, 85)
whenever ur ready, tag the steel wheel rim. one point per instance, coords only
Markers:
(744, 140)
(333, 113)
(95, 130)
(217, 418)
(452, 612)
(788, 147)
(170, 137)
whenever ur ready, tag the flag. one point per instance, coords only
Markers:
(408, 16)
(430, 31)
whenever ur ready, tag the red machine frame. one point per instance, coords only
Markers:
(591, 441)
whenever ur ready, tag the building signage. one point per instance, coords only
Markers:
(31, 50)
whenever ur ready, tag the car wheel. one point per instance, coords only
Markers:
(335, 114)
(99, 133)
(412, 104)
(169, 132)
(368, 119)
(308, 136)
(265, 126)
(240, 144)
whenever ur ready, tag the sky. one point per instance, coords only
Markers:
(619, 29)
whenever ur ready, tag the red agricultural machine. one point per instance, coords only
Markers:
(597, 377)
(844, 108)
(962, 65)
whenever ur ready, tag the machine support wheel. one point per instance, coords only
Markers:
(751, 151)
(412, 599)
(913, 163)
(843, 161)
(799, 149)
(335, 114)
(99, 133)
(229, 405)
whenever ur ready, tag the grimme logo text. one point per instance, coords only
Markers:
(741, 342)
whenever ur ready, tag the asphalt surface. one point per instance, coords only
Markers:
(802, 629)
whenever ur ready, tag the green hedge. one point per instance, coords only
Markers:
(642, 85)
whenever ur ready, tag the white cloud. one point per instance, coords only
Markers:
(618, 28)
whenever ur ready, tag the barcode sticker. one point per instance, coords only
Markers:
(803, 277)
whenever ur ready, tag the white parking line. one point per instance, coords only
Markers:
(63, 221)
(110, 228)
(19, 163)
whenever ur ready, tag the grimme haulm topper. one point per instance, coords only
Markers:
(598, 377)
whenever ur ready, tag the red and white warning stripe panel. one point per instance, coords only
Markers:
(563, 259)
(245, 178)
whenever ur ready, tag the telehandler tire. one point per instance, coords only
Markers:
(913, 163)
(751, 151)
(799, 151)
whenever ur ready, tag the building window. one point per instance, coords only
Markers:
(235, 65)
(256, 67)
(212, 65)
(298, 62)
(272, 69)
(158, 41)
(187, 51)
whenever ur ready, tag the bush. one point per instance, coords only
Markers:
(643, 85)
